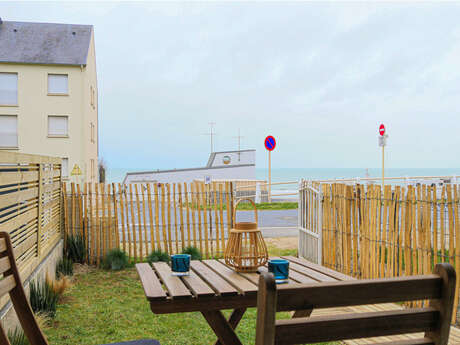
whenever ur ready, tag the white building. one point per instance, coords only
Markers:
(225, 165)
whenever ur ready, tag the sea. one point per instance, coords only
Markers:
(296, 174)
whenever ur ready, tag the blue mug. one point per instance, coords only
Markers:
(280, 269)
(180, 264)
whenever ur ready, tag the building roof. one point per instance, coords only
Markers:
(44, 43)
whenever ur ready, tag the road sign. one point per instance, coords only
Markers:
(382, 130)
(76, 170)
(270, 143)
(207, 179)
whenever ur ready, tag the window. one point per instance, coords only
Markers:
(65, 167)
(58, 84)
(8, 89)
(91, 95)
(93, 134)
(58, 126)
(8, 131)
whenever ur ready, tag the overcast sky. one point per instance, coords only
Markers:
(320, 77)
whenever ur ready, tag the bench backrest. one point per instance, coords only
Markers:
(11, 283)
(434, 320)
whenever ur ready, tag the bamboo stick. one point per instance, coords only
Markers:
(122, 214)
(435, 226)
(130, 243)
(450, 202)
(169, 219)
(419, 230)
(86, 221)
(198, 199)
(92, 227)
(457, 252)
(146, 233)
(98, 226)
(188, 215)
(181, 216)
(66, 211)
(206, 244)
(442, 214)
(80, 212)
(193, 209)
(149, 200)
(176, 236)
(104, 228)
(221, 211)
(73, 210)
(163, 218)
(407, 232)
(115, 211)
(133, 222)
(139, 224)
(109, 211)
(157, 217)
(216, 216)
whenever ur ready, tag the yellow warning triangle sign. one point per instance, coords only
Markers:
(76, 170)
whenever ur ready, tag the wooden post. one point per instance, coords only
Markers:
(163, 218)
(206, 244)
(128, 232)
(109, 214)
(104, 228)
(115, 211)
(133, 226)
(269, 176)
(73, 209)
(146, 236)
(92, 226)
(198, 199)
(181, 216)
(39, 210)
(86, 220)
(122, 214)
(157, 216)
(221, 217)
(188, 215)
(97, 248)
(176, 236)
(139, 224)
(216, 216)
(193, 207)
(169, 220)
(149, 199)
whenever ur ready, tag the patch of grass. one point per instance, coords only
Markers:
(246, 206)
(158, 255)
(193, 251)
(118, 311)
(116, 259)
(275, 251)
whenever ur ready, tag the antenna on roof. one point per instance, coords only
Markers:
(239, 144)
(211, 134)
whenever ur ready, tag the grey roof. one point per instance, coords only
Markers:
(44, 43)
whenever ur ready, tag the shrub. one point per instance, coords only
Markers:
(43, 298)
(158, 255)
(17, 337)
(193, 251)
(60, 285)
(116, 259)
(64, 267)
(75, 249)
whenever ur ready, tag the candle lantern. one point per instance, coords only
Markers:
(246, 249)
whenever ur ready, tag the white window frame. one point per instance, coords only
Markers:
(58, 135)
(17, 134)
(65, 159)
(17, 91)
(56, 93)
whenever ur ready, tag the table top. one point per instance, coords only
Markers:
(212, 285)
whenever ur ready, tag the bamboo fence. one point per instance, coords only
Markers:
(370, 232)
(140, 218)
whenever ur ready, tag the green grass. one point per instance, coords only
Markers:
(109, 306)
(246, 206)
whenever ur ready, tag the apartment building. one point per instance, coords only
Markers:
(48, 94)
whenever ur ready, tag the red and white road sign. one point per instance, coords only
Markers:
(382, 130)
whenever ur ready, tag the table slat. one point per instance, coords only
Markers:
(310, 273)
(197, 285)
(151, 284)
(234, 278)
(174, 285)
(220, 285)
(319, 268)
(295, 276)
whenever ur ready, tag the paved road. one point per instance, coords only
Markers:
(276, 223)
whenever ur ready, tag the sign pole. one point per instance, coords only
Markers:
(383, 166)
(270, 144)
(270, 176)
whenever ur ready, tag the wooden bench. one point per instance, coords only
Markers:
(434, 320)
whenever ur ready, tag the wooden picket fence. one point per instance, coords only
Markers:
(142, 217)
(373, 233)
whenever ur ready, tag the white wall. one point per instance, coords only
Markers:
(189, 175)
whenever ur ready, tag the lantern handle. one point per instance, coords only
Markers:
(236, 205)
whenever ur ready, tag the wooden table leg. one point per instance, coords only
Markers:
(234, 320)
(221, 327)
(302, 313)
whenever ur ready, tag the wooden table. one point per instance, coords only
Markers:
(212, 287)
